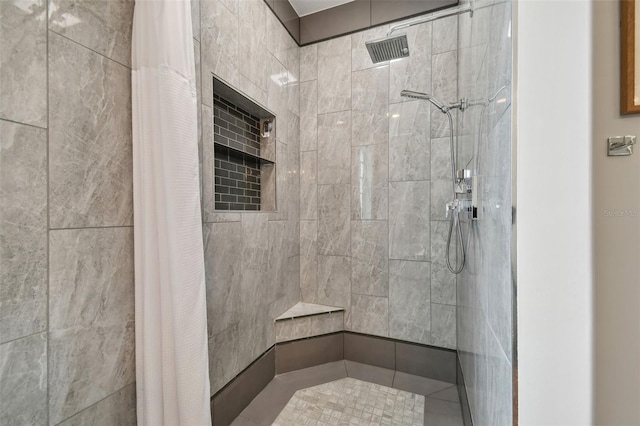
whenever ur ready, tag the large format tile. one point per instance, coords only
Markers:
(90, 163)
(23, 381)
(443, 325)
(370, 103)
(309, 116)
(370, 373)
(223, 267)
(334, 284)
(102, 26)
(369, 314)
(23, 230)
(224, 361)
(413, 72)
(409, 301)
(333, 220)
(23, 62)
(116, 409)
(360, 58)
(309, 62)
(419, 385)
(369, 182)
(91, 317)
(442, 413)
(409, 234)
(445, 88)
(443, 281)
(409, 147)
(308, 259)
(334, 75)
(309, 185)
(370, 258)
(334, 149)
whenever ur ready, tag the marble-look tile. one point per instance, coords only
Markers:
(219, 40)
(309, 62)
(116, 409)
(223, 357)
(315, 325)
(441, 194)
(370, 258)
(409, 234)
(293, 94)
(445, 35)
(308, 259)
(309, 116)
(255, 255)
(90, 163)
(370, 103)
(231, 5)
(334, 150)
(409, 301)
(334, 75)
(223, 268)
(441, 160)
(102, 26)
(252, 46)
(23, 381)
(91, 317)
(360, 58)
(443, 281)
(368, 314)
(444, 81)
(414, 72)
(333, 220)
(409, 147)
(302, 309)
(276, 38)
(309, 185)
(23, 62)
(195, 19)
(369, 182)
(276, 88)
(443, 325)
(23, 230)
(276, 276)
(208, 166)
(334, 284)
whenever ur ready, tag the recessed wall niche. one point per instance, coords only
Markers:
(244, 136)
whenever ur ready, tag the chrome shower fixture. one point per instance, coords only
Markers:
(389, 47)
(462, 104)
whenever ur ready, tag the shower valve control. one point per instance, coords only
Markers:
(463, 181)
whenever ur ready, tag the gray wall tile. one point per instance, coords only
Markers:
(309, 116)
(409, 147)
(309, 185)
(91, 333)
(102, 26)
(369, 182)
(368, 314)
(309, 63)
(334, 151)
(414, 72)
(370, 258)
(334, 75)
(90, 162)
(23, 381)
(360, 58)
(409, 301)
(409, 234)
(116, 409)
(334, 281)
(333, 220)
(23, 62)
(370, 99)
(23, 230)
(308, 259)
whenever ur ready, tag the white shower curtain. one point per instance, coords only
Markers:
(171, 325)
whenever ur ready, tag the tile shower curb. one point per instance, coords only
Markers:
(413, 358)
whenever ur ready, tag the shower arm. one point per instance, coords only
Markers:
(469, 8)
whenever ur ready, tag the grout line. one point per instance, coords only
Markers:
(95, 403)
(91, 227)
(23, 337)
(88, 48)
(27, 124)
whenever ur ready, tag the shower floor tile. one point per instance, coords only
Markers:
(292, 394)
(352, 402)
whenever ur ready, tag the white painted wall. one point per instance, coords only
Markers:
(554, 136)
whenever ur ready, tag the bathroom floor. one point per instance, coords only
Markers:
(279, 403)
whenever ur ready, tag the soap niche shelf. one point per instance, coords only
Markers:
(244, 152)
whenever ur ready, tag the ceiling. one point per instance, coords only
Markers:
(307, 7)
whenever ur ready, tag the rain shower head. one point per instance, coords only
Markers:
(389, 47)
(425, 96)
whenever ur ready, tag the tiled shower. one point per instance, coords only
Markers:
(361, 181)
